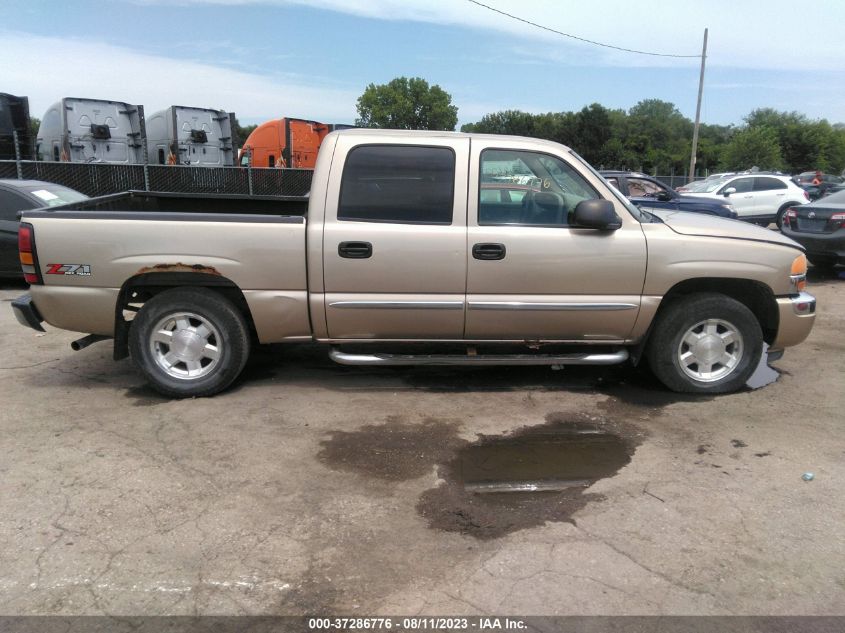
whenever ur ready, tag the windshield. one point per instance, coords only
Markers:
(705, 186)
(54, 195)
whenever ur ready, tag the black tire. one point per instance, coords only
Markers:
(215, 359)
(725, 316)
(821, 261)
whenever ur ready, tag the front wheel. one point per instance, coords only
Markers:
(705, 343)
(189, 342)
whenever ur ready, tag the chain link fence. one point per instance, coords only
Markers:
(99, 179)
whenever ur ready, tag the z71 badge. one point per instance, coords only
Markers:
(69, 269)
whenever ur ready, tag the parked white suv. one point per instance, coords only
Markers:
(757, 198)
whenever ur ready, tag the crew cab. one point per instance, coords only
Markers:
(402, 256)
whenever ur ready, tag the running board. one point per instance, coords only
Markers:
(612, 358)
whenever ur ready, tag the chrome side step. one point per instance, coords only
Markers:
(611, 358)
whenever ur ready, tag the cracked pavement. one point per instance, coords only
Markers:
(117, 501)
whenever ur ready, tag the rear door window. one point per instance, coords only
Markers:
(762, 183)
(403, 184)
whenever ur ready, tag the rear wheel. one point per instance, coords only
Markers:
(705, 343)
(189, 342)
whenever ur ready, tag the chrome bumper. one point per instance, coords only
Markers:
(796, 316)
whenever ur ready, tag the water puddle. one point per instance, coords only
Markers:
(551, 459)
(501, 484)
(764, 374)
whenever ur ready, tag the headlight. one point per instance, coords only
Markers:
(798, 273)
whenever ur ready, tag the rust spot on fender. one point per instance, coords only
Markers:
(180, 268)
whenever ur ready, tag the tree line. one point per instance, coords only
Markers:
(652, 136)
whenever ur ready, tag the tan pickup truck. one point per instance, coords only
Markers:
(418, 248)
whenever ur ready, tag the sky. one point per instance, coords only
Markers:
(265, 59)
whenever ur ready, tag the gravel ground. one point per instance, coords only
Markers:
(314, 488)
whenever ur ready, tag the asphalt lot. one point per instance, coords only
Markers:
(314, 488)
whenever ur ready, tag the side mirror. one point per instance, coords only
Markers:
(663, 196)
(729, 191)
(596, 214)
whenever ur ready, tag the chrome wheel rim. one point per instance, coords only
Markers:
(185, 345)
(710, 350)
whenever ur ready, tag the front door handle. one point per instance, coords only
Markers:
(355, 250)
(487, 251)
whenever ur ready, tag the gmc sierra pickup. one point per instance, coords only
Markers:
(419, 248)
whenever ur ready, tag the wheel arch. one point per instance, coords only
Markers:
(141, 287)
(754, 295)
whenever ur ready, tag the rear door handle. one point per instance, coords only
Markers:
(487, 251)
(355, 250)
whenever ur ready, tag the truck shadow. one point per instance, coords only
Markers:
(309, 366)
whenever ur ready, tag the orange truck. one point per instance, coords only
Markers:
(285, 142)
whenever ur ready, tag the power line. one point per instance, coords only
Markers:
(575, 37)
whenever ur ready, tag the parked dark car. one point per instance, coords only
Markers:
(820, 228)
(829, 184)
(19, 195)
(649, 192)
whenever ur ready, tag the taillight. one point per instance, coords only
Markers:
(790, 215)
(838, 217)
(26, 249)
(806, 194)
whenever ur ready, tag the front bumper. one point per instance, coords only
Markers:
(796, 316)
(26, 313)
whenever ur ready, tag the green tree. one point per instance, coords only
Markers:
(406, 104)
(513, 122)
(805, 144)
(753, 146)
(591, 132)
(34, 124)
(659, 134)
(712, 140)
(241, 132)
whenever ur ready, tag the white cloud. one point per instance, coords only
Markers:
(777, 34)
(49, 68)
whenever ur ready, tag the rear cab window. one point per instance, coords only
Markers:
(402, 184)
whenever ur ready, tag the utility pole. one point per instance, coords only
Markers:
(698, 111)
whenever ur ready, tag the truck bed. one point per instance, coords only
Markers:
(253, 244)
